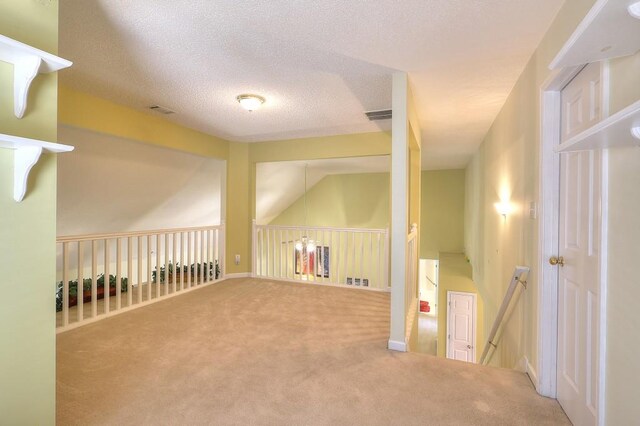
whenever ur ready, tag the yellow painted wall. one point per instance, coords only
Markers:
(507, 165)
(623, 319)
(455, 275)
(238, 223)
(28, 231)
(86, 111)
(346, 201)
(442, 214)
(354, 145)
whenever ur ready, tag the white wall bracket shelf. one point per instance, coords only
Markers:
(26, 155)
(609, 30)
(27, 62)
(619, 130)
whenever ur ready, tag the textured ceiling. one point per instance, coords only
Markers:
(279, 184)
(319, 64)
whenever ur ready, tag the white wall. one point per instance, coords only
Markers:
(111, 184)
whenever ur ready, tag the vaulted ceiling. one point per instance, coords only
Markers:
(319, 64)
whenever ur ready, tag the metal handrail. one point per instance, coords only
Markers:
(517, 278)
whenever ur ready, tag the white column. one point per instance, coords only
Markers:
(399, 209)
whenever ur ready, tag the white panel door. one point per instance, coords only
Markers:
(579, 240)
(461, 326)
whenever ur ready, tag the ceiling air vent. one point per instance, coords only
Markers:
(384, 114)
(161, 110)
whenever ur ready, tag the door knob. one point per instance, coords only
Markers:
(556, 261)
(468, 346)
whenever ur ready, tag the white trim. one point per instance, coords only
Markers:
(607, 31)
(616, 131)
(475, 321)
(604, 247)
(394, 345)
(26, 154)
(548, 203)
(546, 380)
(412, 316)
(531, 372)
(27, 63)
(305, 283)
(237, 275)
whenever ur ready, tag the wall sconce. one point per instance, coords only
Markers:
(503, 208)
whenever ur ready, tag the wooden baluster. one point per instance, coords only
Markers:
(268, 252)
(130, 270)
(201, 257)
(379, 279)
(181, 261)
(167, 261)
(216, 254)
(149, 266)
(118, 274)
(80, 305)
(65, 284)
(139, 269)
(159, 265)
(189, 258)
(338, 256)
(107, 284)
(175, 262)
(94, 278)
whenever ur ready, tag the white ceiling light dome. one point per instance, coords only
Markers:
(250, 102)
(634, 9)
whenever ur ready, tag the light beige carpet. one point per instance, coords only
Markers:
(255, 352)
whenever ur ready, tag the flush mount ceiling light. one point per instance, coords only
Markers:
(250, 102)
(634, 10)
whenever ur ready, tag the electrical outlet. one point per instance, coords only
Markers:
(237, 259)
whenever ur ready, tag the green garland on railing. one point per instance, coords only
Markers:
(86, 286)
(196, 269)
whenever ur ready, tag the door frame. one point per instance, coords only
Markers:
(475, 321)
(548, 241)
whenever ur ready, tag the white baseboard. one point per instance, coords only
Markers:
(237, 275)
(394, 345)
(531, 372)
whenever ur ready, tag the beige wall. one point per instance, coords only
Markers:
(442, 213)
(359, 200)
(28, 231)
(131, 186)
(455, 275)
(506, 166)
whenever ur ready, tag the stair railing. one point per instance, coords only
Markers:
(518, 278)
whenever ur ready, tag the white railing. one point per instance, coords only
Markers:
(411, 285)
(346, 257)
(140, 268)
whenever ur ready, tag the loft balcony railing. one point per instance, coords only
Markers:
(344, 257)
(100, 275)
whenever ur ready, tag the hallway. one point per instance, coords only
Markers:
(249, 351)
(427, 334)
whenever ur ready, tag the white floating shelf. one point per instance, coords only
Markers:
(27, 63)
(26, 155)
(619, 130)
(609, 30)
